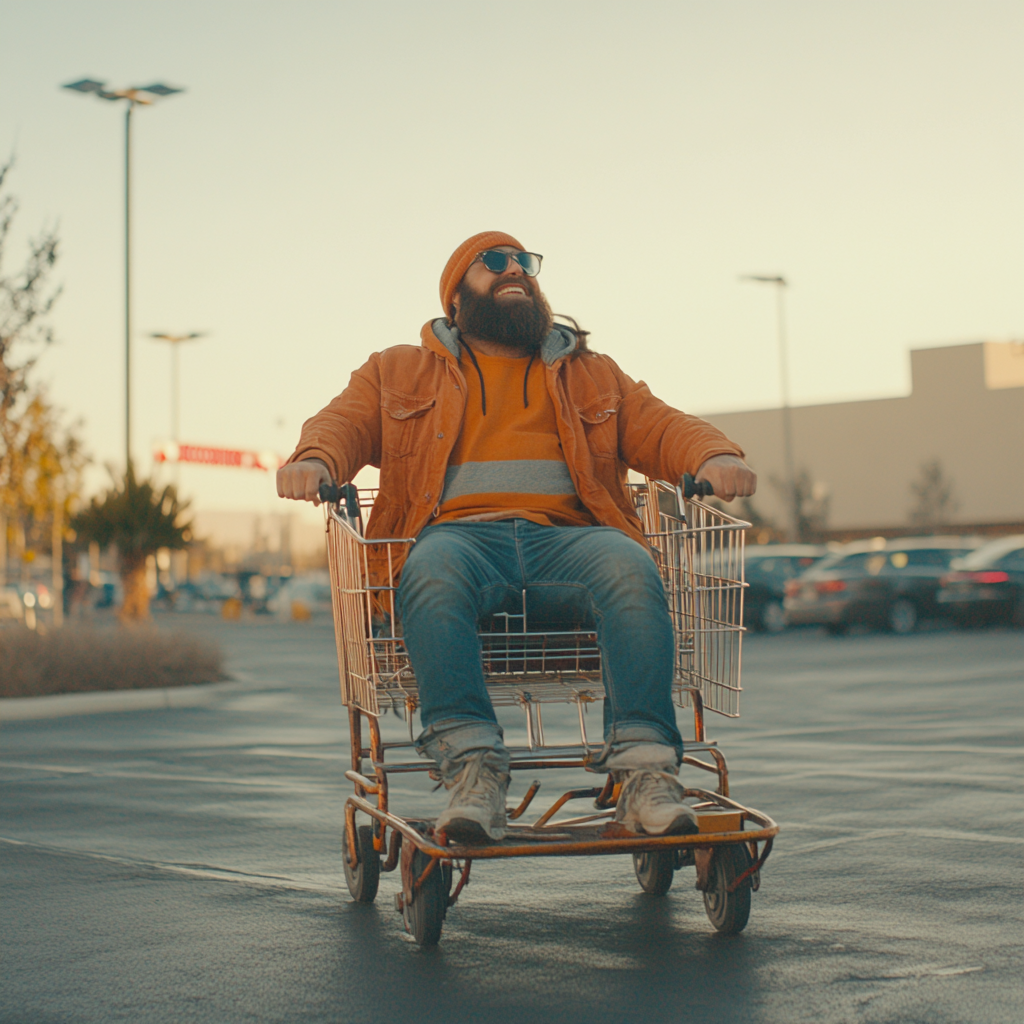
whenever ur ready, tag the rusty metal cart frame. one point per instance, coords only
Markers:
(699, 550)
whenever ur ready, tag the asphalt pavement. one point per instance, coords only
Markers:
(182, 864)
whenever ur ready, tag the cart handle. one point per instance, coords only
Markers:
(334, 494)
(691, 488)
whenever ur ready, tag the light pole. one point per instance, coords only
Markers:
(134, 98)
(175, 340)
(780, 285)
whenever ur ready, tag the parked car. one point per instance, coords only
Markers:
(988, 584)
(108, 589)
(302, 597)
(10, 604)
(769, 567)
(889, 585)
(206, 593)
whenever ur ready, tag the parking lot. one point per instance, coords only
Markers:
(182, 864)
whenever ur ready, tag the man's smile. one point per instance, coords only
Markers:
(510, 289)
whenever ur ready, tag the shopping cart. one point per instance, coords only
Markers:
(699, 550)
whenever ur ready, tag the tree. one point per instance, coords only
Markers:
(807, 506)
(40, 471)
(934, 505)
(41, 459)
(140, 521)
(764, 528)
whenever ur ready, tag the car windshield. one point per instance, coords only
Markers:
(871, 563)
(826, 564)
(989, 554)
(1013, 561)
(936, 558)
(778, 567)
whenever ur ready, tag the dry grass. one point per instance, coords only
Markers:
(76, 660)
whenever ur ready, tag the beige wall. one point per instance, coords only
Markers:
(966, 409)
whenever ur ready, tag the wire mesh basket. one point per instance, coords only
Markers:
(699, 551)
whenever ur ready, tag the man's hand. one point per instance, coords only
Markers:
(302, 480)
(729, 475)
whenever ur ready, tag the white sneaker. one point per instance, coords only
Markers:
(475, 813)
(651, 802)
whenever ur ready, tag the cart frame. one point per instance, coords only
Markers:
(699, 550)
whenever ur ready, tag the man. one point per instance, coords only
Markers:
(503, 445)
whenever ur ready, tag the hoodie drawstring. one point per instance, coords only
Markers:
(479, 373)
(526, 379)
(483, 389)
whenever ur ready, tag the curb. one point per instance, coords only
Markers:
(58, 705)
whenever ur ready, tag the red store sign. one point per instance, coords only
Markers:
(205, 456)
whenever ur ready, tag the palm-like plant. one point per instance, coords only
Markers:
(139, 520)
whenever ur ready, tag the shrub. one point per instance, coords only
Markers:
(76, 660)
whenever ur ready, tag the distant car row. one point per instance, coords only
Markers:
(891, 585)
(22, 599)
(295, 597)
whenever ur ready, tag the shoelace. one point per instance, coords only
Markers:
(470, 783)
(652, 785)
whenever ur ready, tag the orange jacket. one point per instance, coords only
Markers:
(402, 412)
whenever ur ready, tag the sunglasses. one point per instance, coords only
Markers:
(496, 261)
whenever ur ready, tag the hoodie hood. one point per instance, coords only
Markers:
(560, 341)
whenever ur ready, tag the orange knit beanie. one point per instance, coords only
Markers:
(457, 265)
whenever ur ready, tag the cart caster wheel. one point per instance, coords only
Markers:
(655, 870)
(728, 911)
(364, 877)
(424, 915)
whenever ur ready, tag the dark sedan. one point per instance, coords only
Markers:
(769, 567)
(988, 584)
(888, 585)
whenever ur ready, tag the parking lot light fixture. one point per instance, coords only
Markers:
(137, 96)
(175, 340)
(780, 284)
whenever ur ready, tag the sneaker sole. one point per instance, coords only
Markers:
(684, 825)
(466, 832)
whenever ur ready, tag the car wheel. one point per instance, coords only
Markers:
(902, 617)
(773, 618)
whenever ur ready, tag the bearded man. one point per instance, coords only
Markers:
(503, 445)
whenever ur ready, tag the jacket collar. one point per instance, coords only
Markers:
(439, 337)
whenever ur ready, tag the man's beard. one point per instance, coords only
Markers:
(515, 323)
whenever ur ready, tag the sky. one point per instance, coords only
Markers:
(298, 201)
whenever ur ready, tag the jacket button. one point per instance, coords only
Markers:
(457, 387)
(427, 495)
(441, 434)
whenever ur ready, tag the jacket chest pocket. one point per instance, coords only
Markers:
(405, 423)
(601, 425)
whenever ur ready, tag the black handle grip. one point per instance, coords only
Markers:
(696, 489)
(332, 494)
(351, 497)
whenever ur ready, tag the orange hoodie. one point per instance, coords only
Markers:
(404, 409)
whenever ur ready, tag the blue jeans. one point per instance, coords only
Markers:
(594, 577)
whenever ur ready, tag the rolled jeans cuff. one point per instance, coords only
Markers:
(451, 741)
(637, 745)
